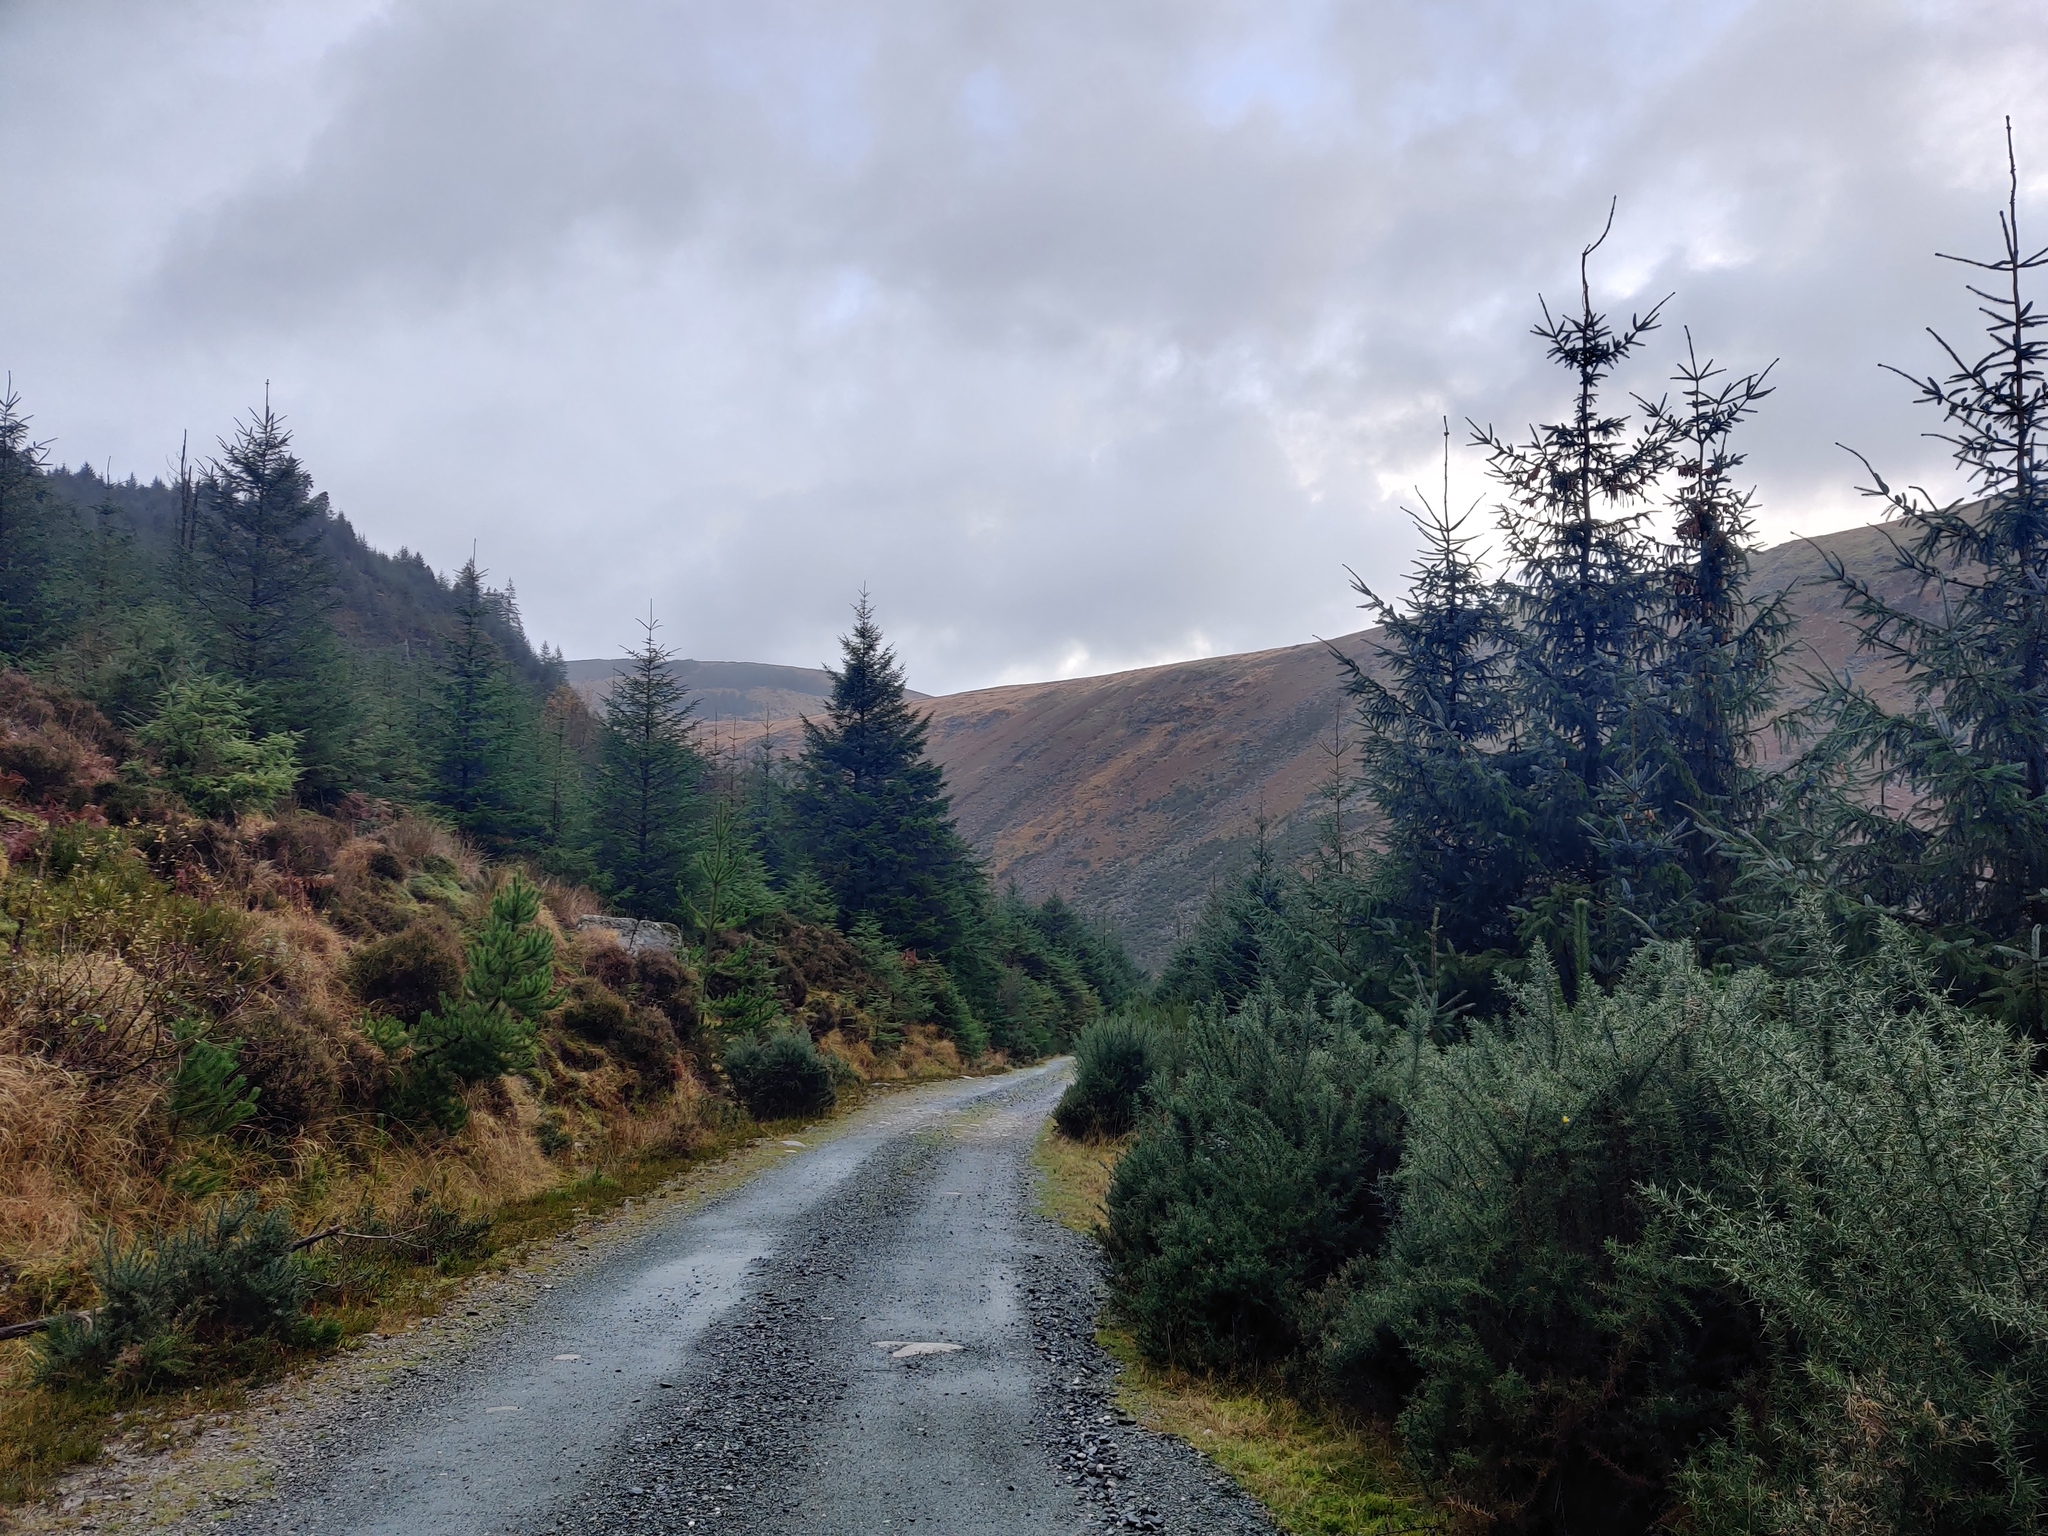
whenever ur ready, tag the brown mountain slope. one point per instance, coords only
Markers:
(1133, 793)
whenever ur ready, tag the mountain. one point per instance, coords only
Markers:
(1134, 793)
(740, 692)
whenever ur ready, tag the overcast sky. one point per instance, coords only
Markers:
(1085, 334)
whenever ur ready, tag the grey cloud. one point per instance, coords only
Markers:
(1086, 335)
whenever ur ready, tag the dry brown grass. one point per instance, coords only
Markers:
(924, 1055)
(75, 1155)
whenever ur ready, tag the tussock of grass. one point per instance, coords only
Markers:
(1317, 1475)
(1075, 1188)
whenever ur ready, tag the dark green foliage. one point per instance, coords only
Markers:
(1115, 1061)
(1256, 1180)
(487, 1028)
(1559, 1351)
(872, 807)
(1093, 948)
(208, 1094)
(264, 591)
(726, 884)
(1436, 713)
(202, 742)
(228, 1279)
(484, 774)
(647, 796)
(1882, 1211)
(1717, 677)
(779, 1074)
(26, 536)
(1970, 752)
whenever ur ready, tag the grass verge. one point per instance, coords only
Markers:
(45, 1433)
(1316, 1474)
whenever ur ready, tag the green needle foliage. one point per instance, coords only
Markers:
(209, 1095)
(193, 1298)
(873, 807)
(647, 781)
(490, 1027)
(202, 740)
(779, 1074)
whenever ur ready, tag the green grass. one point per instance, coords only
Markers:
(1318, 1475)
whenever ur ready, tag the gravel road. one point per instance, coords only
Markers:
(877, 1333)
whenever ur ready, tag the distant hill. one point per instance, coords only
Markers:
(737, 691)
(1135, 792)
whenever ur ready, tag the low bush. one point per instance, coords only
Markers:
(403, 976)
(1256, 1180)
(168, 1309)
(779, 1074)
(1115, 1061)
(1558, 1346)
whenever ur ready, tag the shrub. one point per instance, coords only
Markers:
(1559, 1349)
(208, 1094)
(1256, 1181)
(487, 1028)
(402, 976)
(1114, 1063)
(227, 1279)
(201, 740)
(1885, 1211)
(779, 1074)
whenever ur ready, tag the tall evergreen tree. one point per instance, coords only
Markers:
(1945, 804)
(23, 573)
(647, 781)
(1717, 676)
(1583, 593)
(486, 763)
(264, 588)
(873, 807)
(1437, 759)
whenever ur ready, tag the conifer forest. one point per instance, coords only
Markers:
(1631, 1116)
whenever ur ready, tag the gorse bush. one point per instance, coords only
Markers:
(1256, 1179)
(227, 1280)
(1536, 1315)
(779, 1074)
(1885, 1212)
(1115, 1061)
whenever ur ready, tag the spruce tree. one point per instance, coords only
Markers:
(873, 808)
(1583, 594)
(1436, 758)
(647, 781)
(1716, 680)
(264, 587)
(1943, 807)
(485, 770)
(22, 513)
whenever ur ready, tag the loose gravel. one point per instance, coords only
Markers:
(878, 1332)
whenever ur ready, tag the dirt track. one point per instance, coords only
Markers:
(878, 1332)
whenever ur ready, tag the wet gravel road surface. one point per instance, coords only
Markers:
(879, 1333)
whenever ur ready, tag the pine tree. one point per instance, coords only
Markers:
(264, 587)
(22, 567)
(873, 807)
(647, 781)
(1716, 680)
(1436, 759)
(485, 770)
(1944, 806)
(1583, 595)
